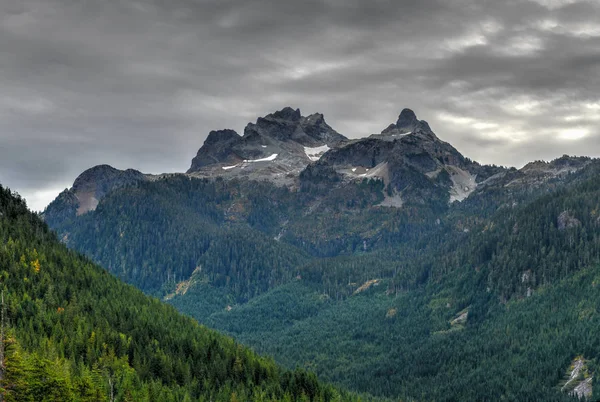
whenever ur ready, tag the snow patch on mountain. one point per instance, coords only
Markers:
(314, 154)
(267, 159)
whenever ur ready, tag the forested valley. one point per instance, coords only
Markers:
(491, 298)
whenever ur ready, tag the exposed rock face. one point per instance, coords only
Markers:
(276, 147)
(566, 221)
(538, 172)
(407, 123)
(414, 164)
(578, 381)
(289, 125)
(461, 318)
(533, 176)
(93, 184)
(411, 160)
(89, 188)
(217, 149)
(560, 166)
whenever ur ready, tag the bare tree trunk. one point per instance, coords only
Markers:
(112, 389)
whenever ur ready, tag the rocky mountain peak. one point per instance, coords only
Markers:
(90, 187)
(315, 119)
(407, 118)
(280, 125)
(287, 113)
(219, 136)
(93, 184)
(277, 144)
(407, 123)
(93, 175)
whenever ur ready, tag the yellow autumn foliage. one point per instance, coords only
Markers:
(36, 265)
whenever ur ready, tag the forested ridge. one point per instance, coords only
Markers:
(527, 278)
(488, 299)
(73, 332)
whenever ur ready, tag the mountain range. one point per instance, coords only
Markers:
(389, 264)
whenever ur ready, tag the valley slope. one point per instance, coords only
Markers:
(72, 332)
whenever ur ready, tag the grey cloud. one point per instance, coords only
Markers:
(140, 83)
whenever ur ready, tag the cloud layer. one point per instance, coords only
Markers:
(140, 83)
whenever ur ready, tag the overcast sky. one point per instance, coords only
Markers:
(140, 83)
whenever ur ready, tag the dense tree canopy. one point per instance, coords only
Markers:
(73, 332)
(491, 298)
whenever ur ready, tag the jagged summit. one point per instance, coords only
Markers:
(413, 163)
(287, 113)
(276, 144)
(289, 125)
(407, 123)
(217, 136)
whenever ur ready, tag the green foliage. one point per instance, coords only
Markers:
(79, 334)
(527, 284)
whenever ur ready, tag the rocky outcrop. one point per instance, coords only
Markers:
(218, 148)
(578, 379)
(277, 147)
(93, 184)
(88, 189)
(414, 164)
(407, 123)
(289, 125)
(567, 221)
(535, 174)
(411, 160)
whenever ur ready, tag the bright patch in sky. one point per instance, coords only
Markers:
(552, 4)
(467, 121)
(522, 46)
(593, 106)
(466, 41)
(528, 106)
(573, 134)
(300, 70)
(39, 200)
(484, 125)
